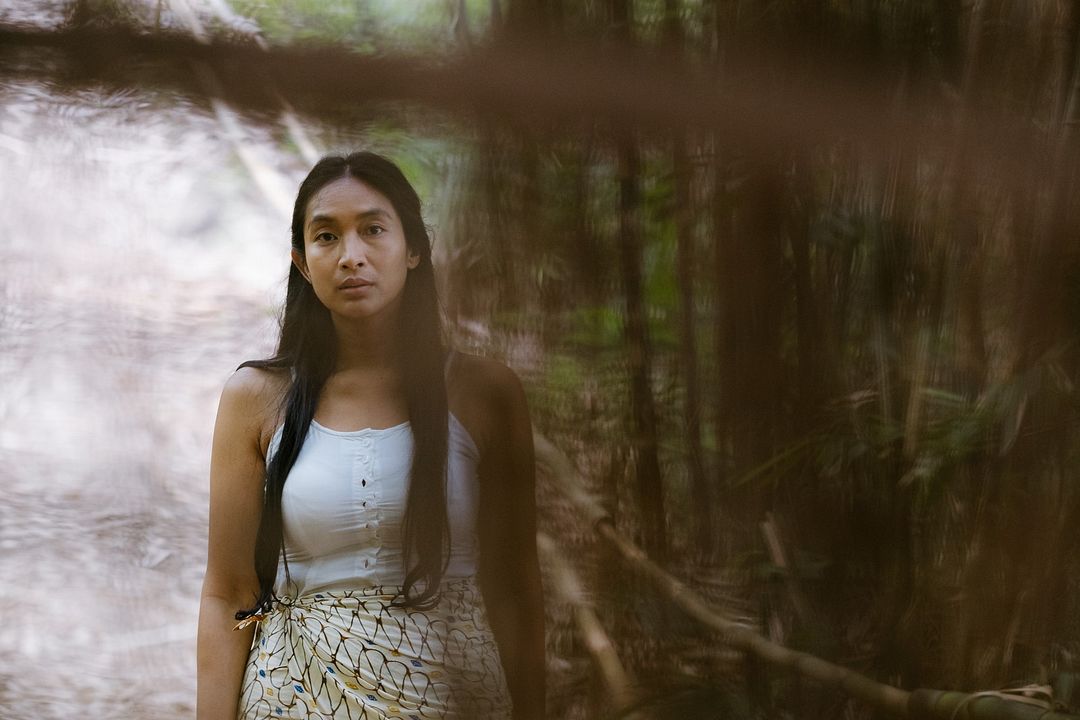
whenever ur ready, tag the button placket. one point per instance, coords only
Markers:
(368, 501)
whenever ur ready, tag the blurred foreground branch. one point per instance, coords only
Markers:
(759, 102)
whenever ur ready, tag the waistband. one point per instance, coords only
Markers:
(455, 589)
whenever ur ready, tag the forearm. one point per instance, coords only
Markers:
(517, 618)
(222, 655)
(530, 665)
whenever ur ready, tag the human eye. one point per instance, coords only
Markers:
(376, 230)
(324, 236)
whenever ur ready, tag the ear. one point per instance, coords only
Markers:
(301, 264)
(412, 260)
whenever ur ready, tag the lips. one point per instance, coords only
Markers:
(354, 283)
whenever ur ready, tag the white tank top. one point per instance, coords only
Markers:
(344, 502)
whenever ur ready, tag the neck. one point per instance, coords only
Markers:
(367, 343)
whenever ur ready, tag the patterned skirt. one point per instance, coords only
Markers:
(349, 654)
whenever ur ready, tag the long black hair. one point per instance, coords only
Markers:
(308, 348)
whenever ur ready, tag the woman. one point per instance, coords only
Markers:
(395, 479)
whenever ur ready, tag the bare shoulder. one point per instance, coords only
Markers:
(253, 396)
(254, 387)
(487, 397)
(488, 379)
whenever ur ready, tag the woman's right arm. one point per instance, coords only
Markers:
(237, 474)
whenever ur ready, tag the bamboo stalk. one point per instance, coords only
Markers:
(565, 477)
(263, 174)
(308, 150)
(979, 706)
(266, 178)
(779, 557)
(617, 680)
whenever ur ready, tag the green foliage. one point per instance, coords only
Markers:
(420, 157)
(288, 22)
(368, 26)
(594, 328)
(958, 429)
(564, 375)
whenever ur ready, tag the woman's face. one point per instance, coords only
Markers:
(356, 258)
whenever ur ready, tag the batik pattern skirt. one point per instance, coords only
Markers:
(350, 654)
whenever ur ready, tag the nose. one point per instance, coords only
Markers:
(353, 251)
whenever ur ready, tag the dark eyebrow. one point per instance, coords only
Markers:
(373, 213)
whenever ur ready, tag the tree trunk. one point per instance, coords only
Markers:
(687, 260)
(646, 461)
(688, 360)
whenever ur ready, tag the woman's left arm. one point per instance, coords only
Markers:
(510, 571)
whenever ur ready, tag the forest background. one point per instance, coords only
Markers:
(795, 285)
